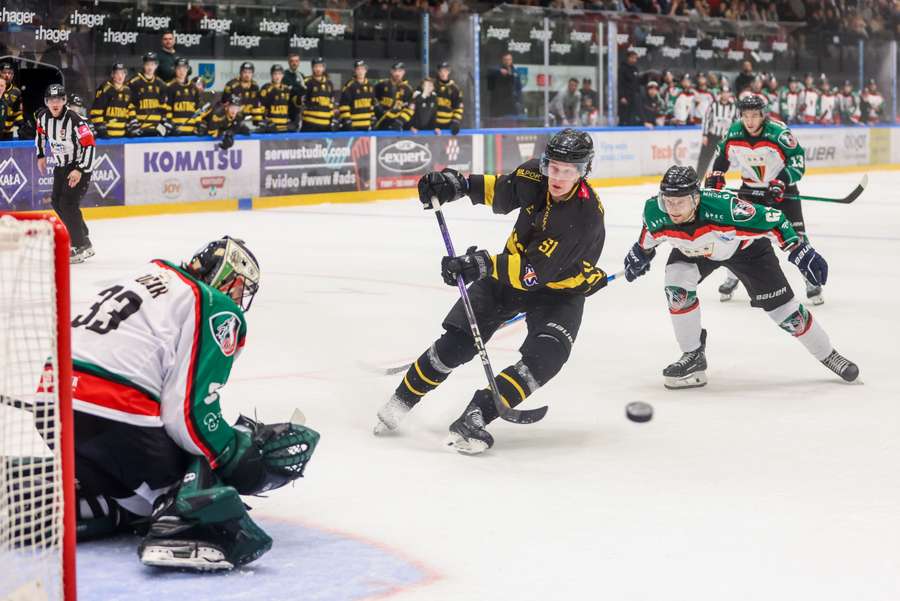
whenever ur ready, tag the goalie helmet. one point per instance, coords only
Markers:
(569, 146)
(229, 266)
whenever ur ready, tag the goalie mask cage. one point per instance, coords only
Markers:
(37, 465)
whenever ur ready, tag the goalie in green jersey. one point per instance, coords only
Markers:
(713, 228)
(771, 162)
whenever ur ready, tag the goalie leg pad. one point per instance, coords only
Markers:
(202, 525)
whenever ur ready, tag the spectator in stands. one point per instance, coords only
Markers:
(745, 78)
(629, 90)
(166, 56)
(587, 91)
(589, 116)
(504, 88)
(565, 106)
(653, 107)
(425, 107)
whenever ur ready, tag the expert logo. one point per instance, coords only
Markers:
(404, 156)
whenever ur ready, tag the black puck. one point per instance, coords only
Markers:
(639, 412)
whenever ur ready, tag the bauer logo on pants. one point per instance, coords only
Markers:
(225, 327)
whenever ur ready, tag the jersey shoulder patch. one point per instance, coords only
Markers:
(787, 139)
(741, 210)
(225, 327)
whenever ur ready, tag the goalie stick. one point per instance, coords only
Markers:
(391, 371)
(762, 194)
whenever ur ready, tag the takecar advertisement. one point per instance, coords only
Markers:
(24, 188)
(190, 171)
(296, 166)
(402, 161)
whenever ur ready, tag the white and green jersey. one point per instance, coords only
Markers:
(724, 225)
(774, 153)
(152, 350)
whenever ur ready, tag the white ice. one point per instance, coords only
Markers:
(777, 481)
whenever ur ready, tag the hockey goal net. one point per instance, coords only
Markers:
(37, 524)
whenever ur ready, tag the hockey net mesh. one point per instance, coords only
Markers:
(31, 493)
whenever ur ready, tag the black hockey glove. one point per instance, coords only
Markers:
(715, 180)
(810, 263)
(472, 266)
(27, 130)
(454, 127)
(447, 185)
(227, 140)
(346, 124)
(133, 128)
(637, 261)
(101, 130)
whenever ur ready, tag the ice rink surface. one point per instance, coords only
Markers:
(777, 481)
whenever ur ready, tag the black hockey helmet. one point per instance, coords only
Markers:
(247, 66)
(117, 67)
(443, 65)
(569, 146)
(678, 181)
(55, 90)
(318, 61)
(227, 265)
(276, 67)
(6, 66)
(150, 57)
(76, 101)
(398, 65)
(182, 62)
(359, 63)
(752, 102)
(793, 79)
(234, 99)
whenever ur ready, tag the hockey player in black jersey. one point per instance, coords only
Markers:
(449, 101)
(244, 86)
(394, 100)
(148, 93)
(275, 100)
(318, 99)
(185, 108)
(357, 106)
(113, 109)
(547, 270)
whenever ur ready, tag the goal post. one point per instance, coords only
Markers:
(37, 461)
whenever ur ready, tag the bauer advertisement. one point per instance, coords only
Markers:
(190, 171)
(303, 166)
(402, 161)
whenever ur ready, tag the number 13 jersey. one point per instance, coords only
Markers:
(152, 350)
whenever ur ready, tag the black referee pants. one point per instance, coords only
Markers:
(66, 201)
(707, 151)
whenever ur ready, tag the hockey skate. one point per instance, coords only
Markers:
(79, 254)
(690, 370)
(814, 294)
(468, 434)
(842, 366)
(726, 290)
(390, 415)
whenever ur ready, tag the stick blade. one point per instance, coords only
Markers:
(523, 416)
(857, 191)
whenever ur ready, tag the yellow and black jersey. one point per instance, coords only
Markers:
(449, 103)
(394, 101)
(358, 104)
(318, 102)
(275, 100)
(218, 121)
(185, 107)
(112, 109)
(555, 244)
(249, 93)
(12, 100)
(149, 98)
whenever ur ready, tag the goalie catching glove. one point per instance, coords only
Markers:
(268, 456)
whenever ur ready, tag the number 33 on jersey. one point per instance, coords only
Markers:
(152, 350)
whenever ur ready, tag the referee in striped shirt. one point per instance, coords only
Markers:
(718, 118)
(73, 148)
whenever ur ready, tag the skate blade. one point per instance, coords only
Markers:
(464, 446)
(816, 300)
(725, 297)
(186, 557)
(382, 429)
(695, 380)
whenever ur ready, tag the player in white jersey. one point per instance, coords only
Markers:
(703, 98)
(827, 110)
(683, 109)
(808, 101)
(708, 229)
(872, 103)
(149, 356)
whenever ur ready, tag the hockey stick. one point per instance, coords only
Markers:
(391, 371)
(762, 194)
(516, 416)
